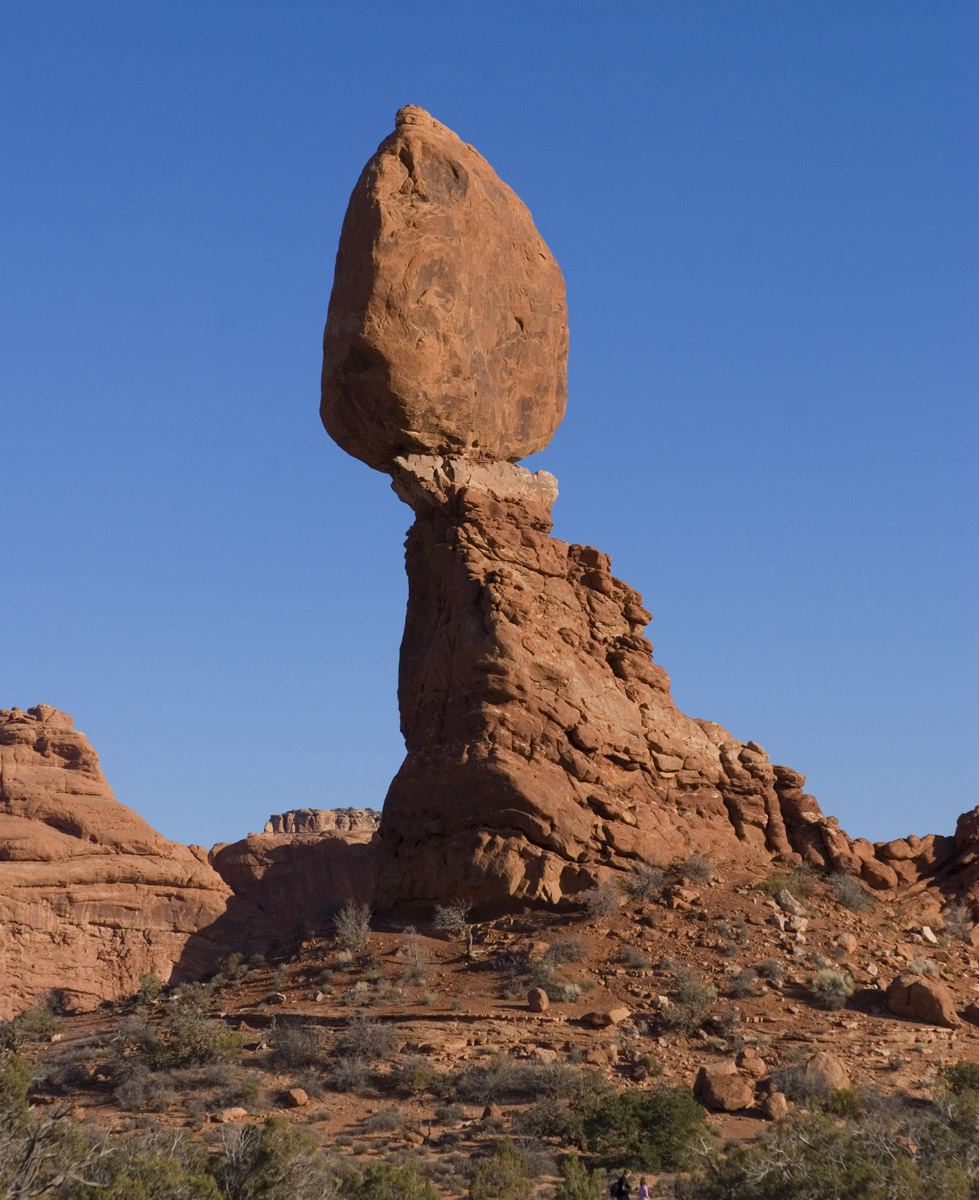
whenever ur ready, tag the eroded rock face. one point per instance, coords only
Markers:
(447, 328)
(91, 897)
(323, 820)
(544, 749)
(288, 885)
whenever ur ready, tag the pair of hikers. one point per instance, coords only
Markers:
(622, 1188)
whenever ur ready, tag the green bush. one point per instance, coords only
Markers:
(31, 1025)
(577, 1182)
(656, 1130)
(502, 1176)
(645, 884)
(691, 1001)
(387, 1181)
(960, 1077)
(273, 1161)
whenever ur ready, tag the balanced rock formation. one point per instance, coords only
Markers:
(447, 330)
(90, 896)
(543, 747)
(289, 883)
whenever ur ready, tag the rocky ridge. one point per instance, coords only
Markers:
(90, 896)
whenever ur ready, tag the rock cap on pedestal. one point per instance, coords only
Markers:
(447, 329)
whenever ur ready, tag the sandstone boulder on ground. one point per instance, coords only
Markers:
(720, 1087)
(826, 1072)
(91, 897)
(922, 999)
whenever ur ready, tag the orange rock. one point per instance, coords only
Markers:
(296, 1098)
(90, 896)
(720, 1087)
(447, 331)
(922, 999)
(537, 1000)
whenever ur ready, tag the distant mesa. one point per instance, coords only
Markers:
(323, 820)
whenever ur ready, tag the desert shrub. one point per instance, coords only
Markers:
(569, 992)
(565, 950)
(504, 1175)
(923, 966)
(645, 883)
(691, 1001)
(844, 1102)
(385, 1120)
(273, 1161)
(695, 869)
(816, 1156)
(352, 925)
(831, 989)
(577, 1182)
(958, 920)
(416, 1075)
(771, 969)
(632, 956)
(390, 1181)
(797, 1085)
(142, 1090)
(294, 1046)
(414, 965)
(601, 901)
(960, 1077)
(454, 919)
(150, 987)
(348, 1073)
(745, 984)
(850, 893)
(800, 882)
(367, 1039)
(657, 1130)
(31, 1025)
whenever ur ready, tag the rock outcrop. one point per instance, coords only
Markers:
(544, 749)
(323, 820)
(288, 884)
(91, 897)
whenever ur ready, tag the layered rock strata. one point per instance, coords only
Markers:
(323, 820)
(91, 897)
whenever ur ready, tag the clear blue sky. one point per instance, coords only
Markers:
(765, 212)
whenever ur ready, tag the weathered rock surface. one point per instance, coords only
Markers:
(922, 999)
(720, 1087)
(289, 884)
(91, 897)
(447, 328)
(543, 747)
(323, 820)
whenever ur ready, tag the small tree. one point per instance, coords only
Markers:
(502, 1176)
(657, 1130)
(454, 919)
(353, 927)
(385, 1181)
(577, 1182)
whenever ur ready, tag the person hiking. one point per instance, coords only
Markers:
(622, 1188)
(643, 1189)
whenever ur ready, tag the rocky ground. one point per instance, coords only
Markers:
(396, 1041)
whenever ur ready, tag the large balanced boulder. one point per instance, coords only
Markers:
(447, 329)
(91, 897)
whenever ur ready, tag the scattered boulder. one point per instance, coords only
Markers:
(775, 1106)
(605, 1017)
(921, 999)
(722, 1089)
(826, 1071)
(296, 1097)
(537, 1000)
